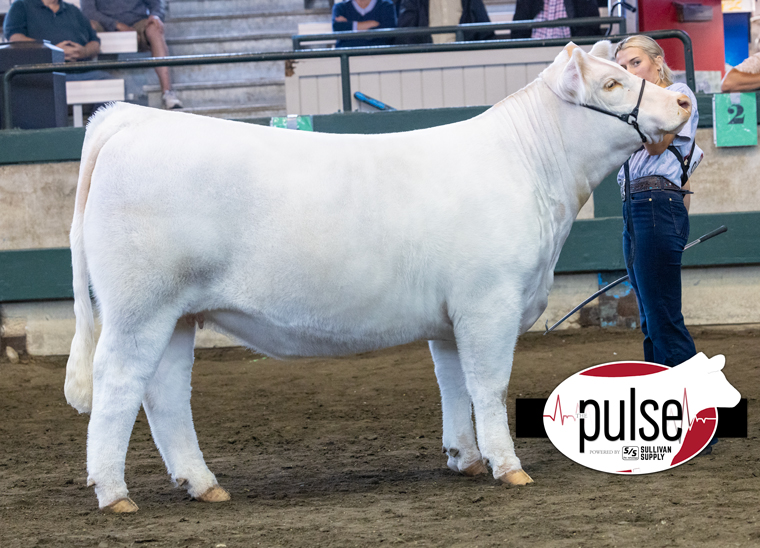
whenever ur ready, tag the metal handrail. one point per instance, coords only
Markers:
(343, 53)
(459, 30)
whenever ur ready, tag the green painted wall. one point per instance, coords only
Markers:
(594, 245)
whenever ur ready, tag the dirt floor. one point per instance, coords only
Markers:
(347, 452)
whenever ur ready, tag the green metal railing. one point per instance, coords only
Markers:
(343, 53)
(459, 30)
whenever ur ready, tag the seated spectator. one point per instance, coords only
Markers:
(550, 10)
(743, 77)
(59, 23)
(363, 15)
(441, 13)
(146, 18)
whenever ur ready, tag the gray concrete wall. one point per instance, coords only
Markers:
(727, 179)
(37, 204)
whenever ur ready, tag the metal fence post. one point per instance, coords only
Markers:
(345, 82)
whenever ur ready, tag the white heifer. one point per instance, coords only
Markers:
(305, 244)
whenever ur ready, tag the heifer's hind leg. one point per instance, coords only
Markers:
(459, 442)
(486, 341)
(125, 361)
(167, 405)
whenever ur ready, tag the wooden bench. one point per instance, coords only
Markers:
(84, 92)
(92, 91)
(316, 28)
(118, 42)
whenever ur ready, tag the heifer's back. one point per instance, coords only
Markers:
(338, 243)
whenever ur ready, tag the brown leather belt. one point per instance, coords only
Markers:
(652, 182)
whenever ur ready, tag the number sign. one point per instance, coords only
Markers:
(735, 119)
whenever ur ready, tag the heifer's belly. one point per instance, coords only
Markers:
(274, 338)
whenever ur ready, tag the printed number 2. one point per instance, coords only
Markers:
(737, 111)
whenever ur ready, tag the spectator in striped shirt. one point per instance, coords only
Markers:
(743, 77)
(551, 10)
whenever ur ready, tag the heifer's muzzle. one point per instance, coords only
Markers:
(632, 118)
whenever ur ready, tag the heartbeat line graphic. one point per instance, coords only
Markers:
(558, 406)
(685, 406)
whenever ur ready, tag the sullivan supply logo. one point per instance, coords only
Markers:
(638, 417)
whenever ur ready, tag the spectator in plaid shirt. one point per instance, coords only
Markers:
(549, 10)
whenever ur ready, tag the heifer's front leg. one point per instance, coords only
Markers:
(167, 405)
(459, 442)
(125, 360)
(486, 342)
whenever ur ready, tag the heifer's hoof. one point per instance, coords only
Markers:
(475, 469)
(121, 506)
(215, 494)
(516, 477)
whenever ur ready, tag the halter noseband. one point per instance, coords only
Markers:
(631, 119)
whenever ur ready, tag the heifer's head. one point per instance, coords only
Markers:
(592, 80)
(708, 383)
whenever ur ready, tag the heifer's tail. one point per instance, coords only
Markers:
(78, 386)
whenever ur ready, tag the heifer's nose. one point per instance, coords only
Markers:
(684, 102)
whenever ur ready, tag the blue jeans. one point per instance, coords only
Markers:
(661, 229)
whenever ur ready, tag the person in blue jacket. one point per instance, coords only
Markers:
(364, 15)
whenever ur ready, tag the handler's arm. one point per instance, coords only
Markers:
(655, 149)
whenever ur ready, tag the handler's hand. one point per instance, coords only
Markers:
(341, 19)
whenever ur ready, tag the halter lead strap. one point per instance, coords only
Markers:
(632, 118)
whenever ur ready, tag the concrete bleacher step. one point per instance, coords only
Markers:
(183, 8)
(215, 94)
(240, 23)
(258, 42)
(240, 112)
(240, 90)
(227, 72)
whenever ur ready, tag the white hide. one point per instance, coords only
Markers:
(306, 244)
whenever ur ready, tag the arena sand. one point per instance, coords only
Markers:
(347, 452)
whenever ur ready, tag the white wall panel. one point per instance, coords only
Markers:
(369, 84)
(390, 88)
(411, 90)
(474, 86)
(328, 88)
(495, 83)
(308, 97)
(453, 87)
(432, 88)
(420, 80)
(516, 78)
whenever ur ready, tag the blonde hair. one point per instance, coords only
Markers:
(653, 51)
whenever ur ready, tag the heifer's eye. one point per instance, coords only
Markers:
(610, 85)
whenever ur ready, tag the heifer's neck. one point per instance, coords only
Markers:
(571, 148)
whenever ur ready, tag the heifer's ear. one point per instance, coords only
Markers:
(571, 84)
(700, 363)
(716, 363)
(602, 49)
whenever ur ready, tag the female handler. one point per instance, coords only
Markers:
(659, 210)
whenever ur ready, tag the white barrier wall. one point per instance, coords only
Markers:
(414, 81)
